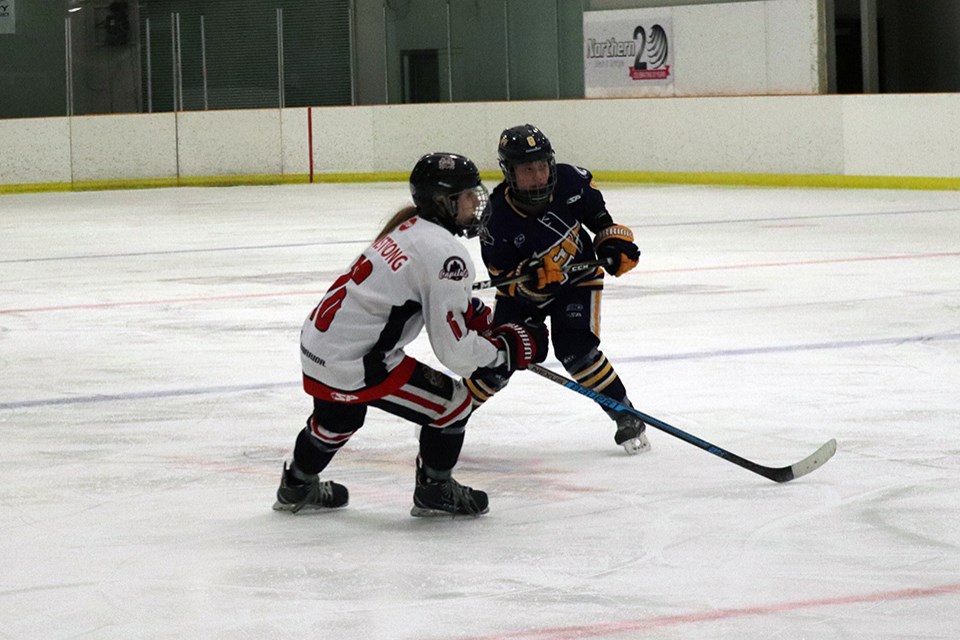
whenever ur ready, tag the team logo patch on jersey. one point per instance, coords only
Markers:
(454, 268)
(435, 378)
(407, 224)
(564, 231)
(484, 235)
(574, 310)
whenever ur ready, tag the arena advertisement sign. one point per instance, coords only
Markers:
(626, 53)
(8, 22)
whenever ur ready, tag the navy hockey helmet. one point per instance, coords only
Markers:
(520, 145)
(437, 181)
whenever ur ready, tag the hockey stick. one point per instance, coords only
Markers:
(575, 268)
(778, 474)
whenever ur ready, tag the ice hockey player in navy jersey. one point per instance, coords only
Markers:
(543, 218)
(415, 274)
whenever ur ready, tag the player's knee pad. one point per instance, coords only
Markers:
(333, 423)
(578, 360)
(326, 439)
(575, 349)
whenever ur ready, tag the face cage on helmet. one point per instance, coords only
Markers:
(535, 196)
(448, 204)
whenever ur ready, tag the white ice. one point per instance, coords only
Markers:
(150, 392)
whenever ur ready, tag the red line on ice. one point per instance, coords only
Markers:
(612, 628)
(798, 263)
(134, 303)
(130, 303)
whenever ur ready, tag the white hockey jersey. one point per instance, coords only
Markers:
(418, 275)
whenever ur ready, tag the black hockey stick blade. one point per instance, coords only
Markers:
(778, 474)
(575, 268)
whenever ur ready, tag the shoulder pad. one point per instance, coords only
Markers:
(572, 172)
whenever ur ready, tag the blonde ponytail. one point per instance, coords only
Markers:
(397, 219)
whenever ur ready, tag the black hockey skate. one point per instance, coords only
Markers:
(433, 497)
(631, 433)
(295, 495)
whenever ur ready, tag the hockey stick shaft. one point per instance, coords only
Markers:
(575, 268)
(778, 474)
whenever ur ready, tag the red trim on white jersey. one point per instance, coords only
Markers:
(456, 414)
(419, 400)
(419, 275)
(396, 379)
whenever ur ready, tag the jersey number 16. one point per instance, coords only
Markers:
(324, 312)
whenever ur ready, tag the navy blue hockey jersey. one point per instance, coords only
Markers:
(558, 233)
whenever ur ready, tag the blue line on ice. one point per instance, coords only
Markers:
(241, 388)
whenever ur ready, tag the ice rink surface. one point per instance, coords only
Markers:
(150, 392)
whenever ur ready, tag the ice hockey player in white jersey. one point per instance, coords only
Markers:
(415, 274)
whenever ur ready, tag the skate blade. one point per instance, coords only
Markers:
(637, 445)
(426, 512)
(307, 508)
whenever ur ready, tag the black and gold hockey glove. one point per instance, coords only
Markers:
(614, 244)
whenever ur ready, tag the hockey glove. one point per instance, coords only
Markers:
(540, 274)
(615, 245)
(543, 278)
(524, 343)
(477, 316)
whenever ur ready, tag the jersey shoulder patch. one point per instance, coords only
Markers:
(454, 268)
(573, 172)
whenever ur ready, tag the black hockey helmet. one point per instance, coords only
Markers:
(437, 180)
(522, 144)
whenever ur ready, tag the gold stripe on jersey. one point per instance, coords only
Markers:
(508, 198)
(595, 317)
(595, 281)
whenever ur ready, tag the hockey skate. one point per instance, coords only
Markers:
(631, 434)
(295, 495)
(445, 497)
